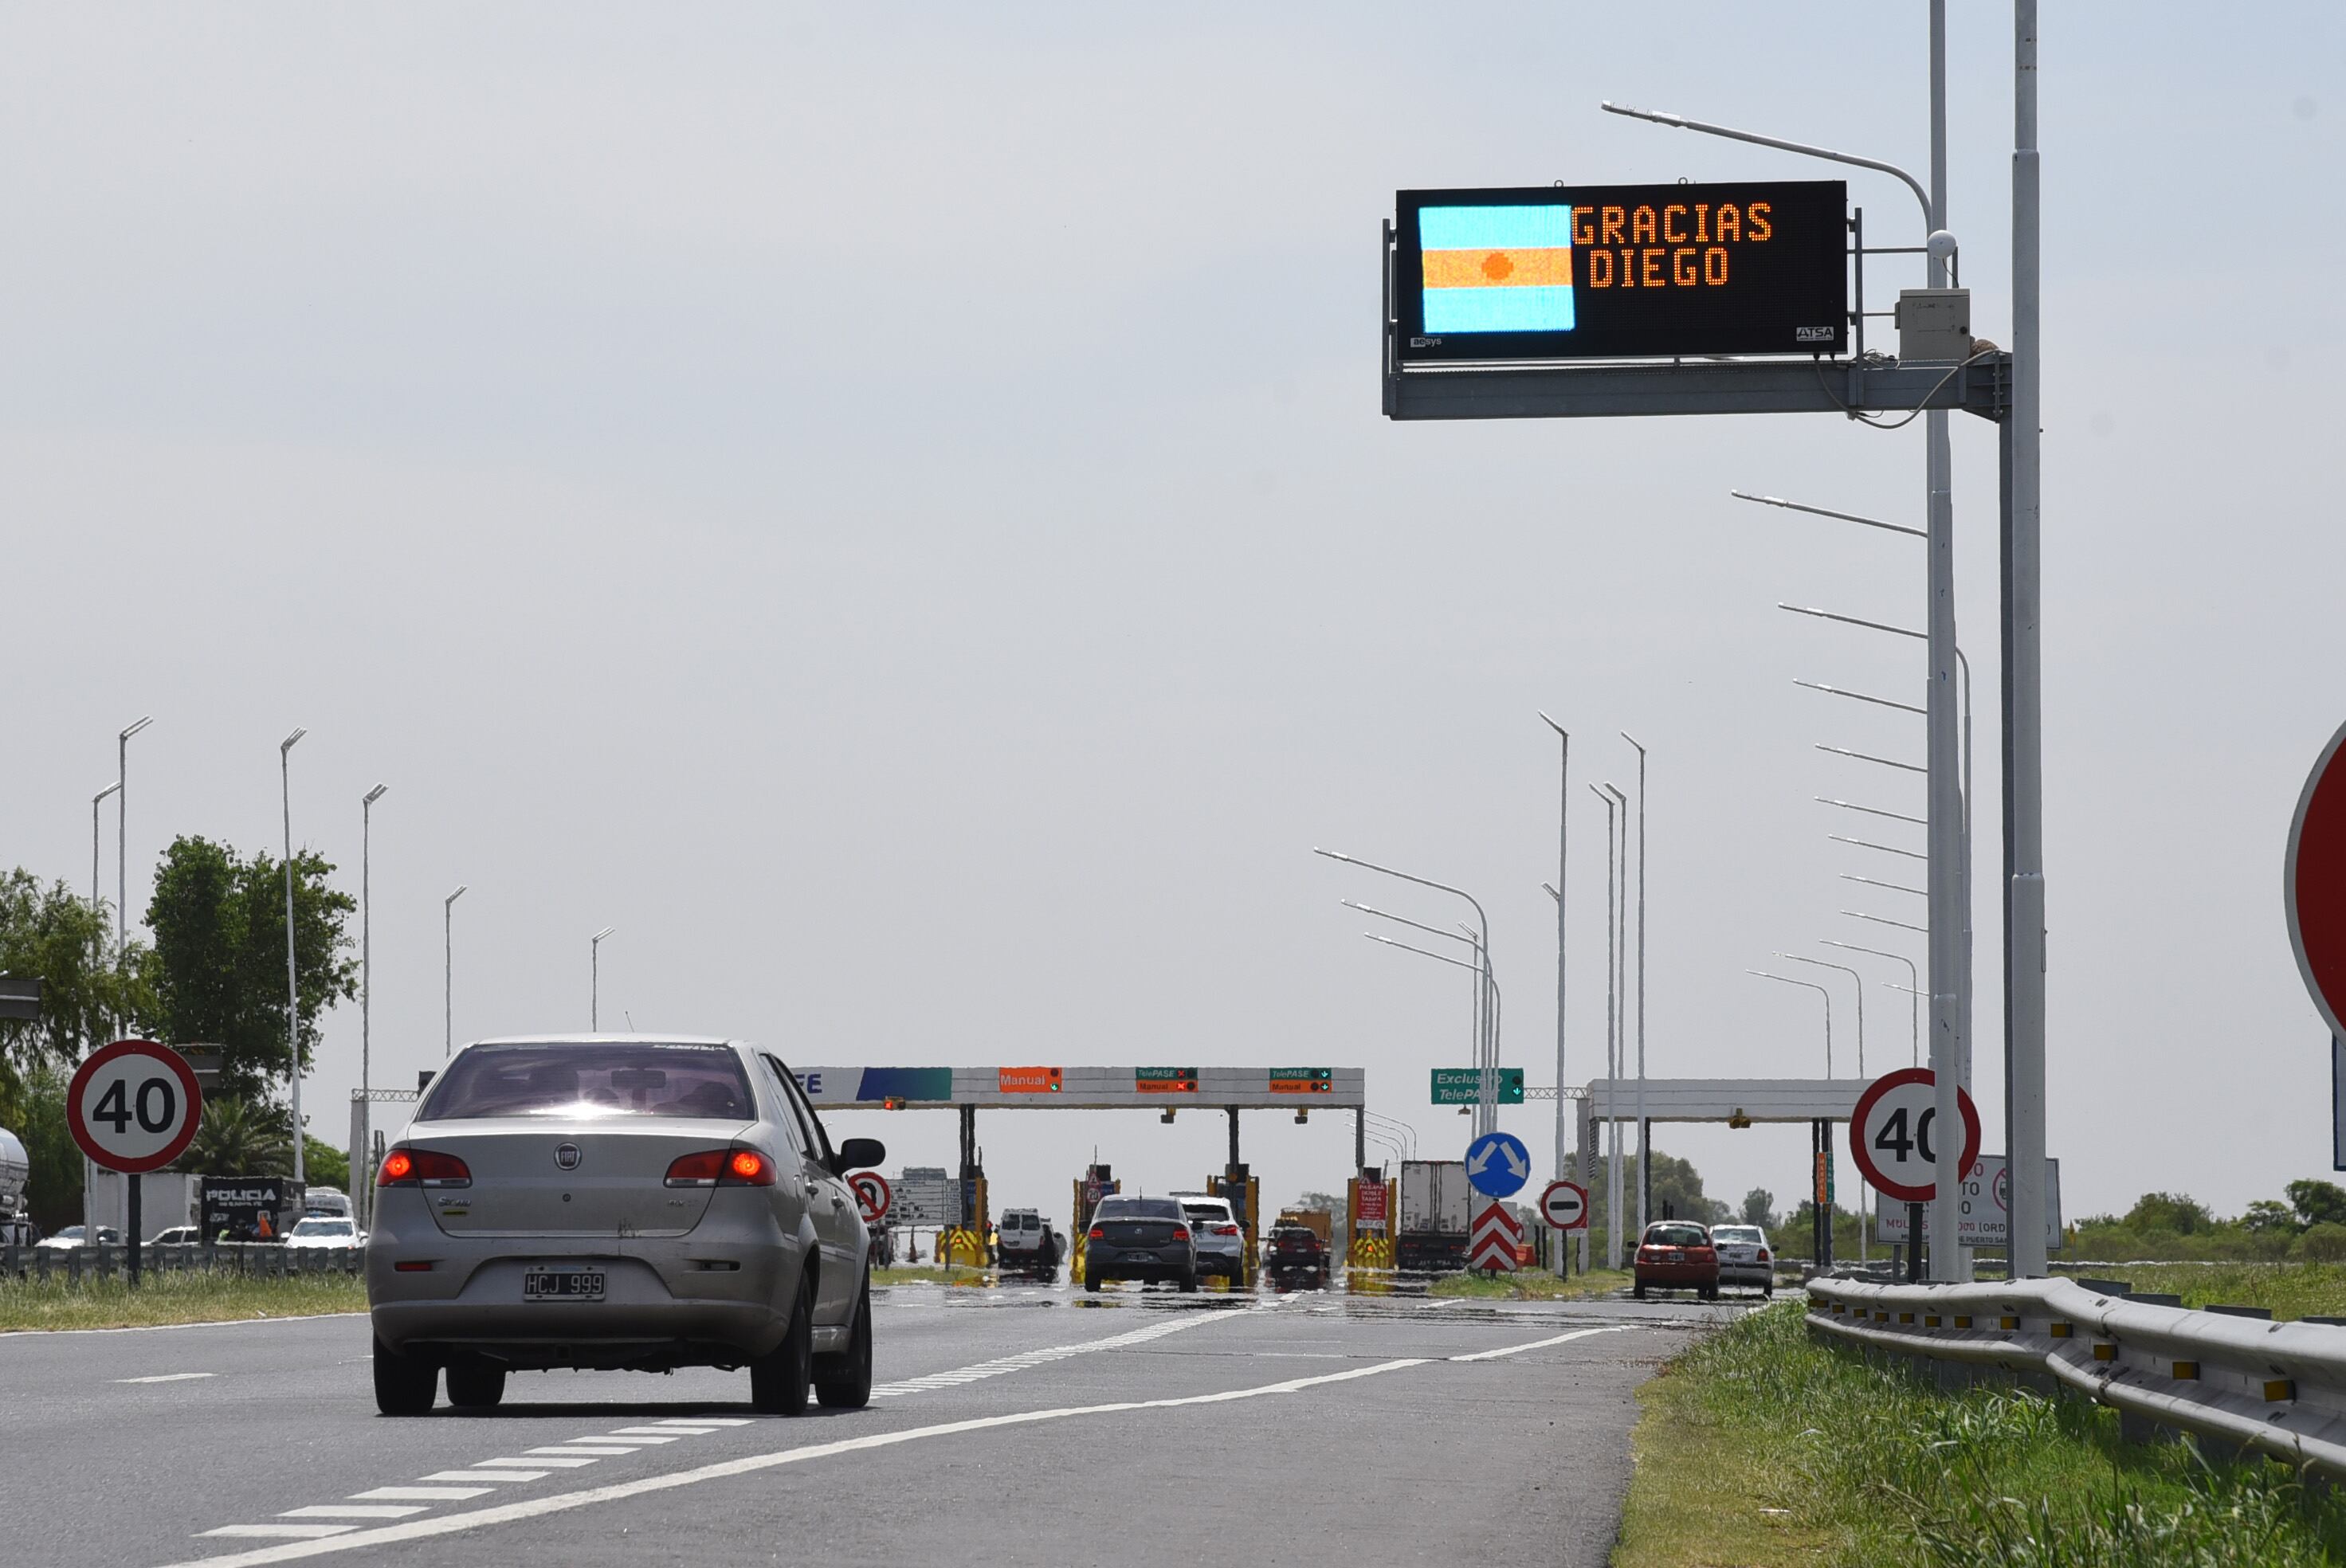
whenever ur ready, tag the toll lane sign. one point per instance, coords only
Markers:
(1464, 1085)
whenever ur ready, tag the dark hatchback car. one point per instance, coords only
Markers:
(1673, 1254)
(1296, 1259)
(1140, 1239)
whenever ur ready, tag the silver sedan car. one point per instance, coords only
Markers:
(618, 1201)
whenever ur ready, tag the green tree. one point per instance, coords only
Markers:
(1760, 1209)
(322, 1164)
(2323, 1242)
(1677, 1191)
(2317, 1202)
(2171, 1213)
(2266, 1218)
(239, 1138)
(218, 966)
(53, 934)
(53, 1192)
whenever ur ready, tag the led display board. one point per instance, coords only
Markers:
(1621, 271)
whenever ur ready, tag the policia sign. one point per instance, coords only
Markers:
(1621, 271)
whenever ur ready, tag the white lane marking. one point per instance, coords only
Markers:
(588, 1446)
(169, 1377)
(706, 1421)
(537, 1507)
(283, 1531)
(640, 1435)
(421, 1493)
(1543, 1344)
(161, 1327)
(1024, 1359)
(539, 1462)
(670, 1429)
(354, 1510)
(492, 1476)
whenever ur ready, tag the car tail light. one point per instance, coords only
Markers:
(721, 1167)
(1226, 1230)
(1180, 1233)
(1763, 1255)
(405, 1166)
(1096, 1234)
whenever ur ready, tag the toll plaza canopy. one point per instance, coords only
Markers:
(1089, 1088)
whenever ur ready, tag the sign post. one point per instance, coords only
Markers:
(133, 1106)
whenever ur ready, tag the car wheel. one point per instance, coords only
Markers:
(1091, 1278)
(843, 1381)
(1767, 1291)
(1189, 1283)
(779, 1379)
(403, 1385)
(1640, 1291)
(476, 1385)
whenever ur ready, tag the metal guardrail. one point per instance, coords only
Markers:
(262, 1260)
(2277, 1388)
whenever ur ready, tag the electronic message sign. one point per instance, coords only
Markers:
(1621, 271)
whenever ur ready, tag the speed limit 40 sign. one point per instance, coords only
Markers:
(133, 1106)
(1894, 1136)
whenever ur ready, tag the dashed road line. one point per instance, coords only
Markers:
(169, 1377)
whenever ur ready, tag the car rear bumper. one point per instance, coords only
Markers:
(1109, 1264)
(1682, 1276)
(1746, 1274)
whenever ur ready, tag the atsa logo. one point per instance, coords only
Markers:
(1815, 334)
(566, 1156)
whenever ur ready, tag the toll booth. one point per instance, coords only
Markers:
(1369, 1202)
(964, 1244)
(1244, 1193)
(1095, 1184)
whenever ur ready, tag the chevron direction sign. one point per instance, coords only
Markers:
(1493, 1241)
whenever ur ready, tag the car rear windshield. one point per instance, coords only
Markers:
(1739, 1233)
(1677, 1235)
(591, 1081)
(1140, 1208)
(1206, 1211)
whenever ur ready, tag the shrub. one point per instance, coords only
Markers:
(2324, 1243)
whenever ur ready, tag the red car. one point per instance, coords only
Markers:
(1676, 1255)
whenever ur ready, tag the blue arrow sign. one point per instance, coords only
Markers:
(1497, 1164)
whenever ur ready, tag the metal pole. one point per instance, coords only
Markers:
(1820, 990)
(122, 834)
(2023, 728)
(1913, 988)
(1858, 981)
(595, 979)
(1611, 1054)
(1645, 1128)
(362, 1181)
(1563, 812)
(1945, 810)
(448, 972)
(292, 974)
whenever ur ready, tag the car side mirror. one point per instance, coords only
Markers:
(858, 1154)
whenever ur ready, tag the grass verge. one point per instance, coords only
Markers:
(2291, 1289)
(1532, 1285)
(173, 1297)
(1762, 1447)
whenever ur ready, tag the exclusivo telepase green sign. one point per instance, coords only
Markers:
(1464, 1085)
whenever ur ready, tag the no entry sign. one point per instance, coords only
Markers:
(872, 1195)
(1564, 1205)
(2313, 882)
(133, 1106)
(1893, 1136)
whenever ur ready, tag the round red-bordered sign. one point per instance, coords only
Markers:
(2313, 883)
(872, 1195)
(1893, 1118)
(1564, 1205)
(134, 1106)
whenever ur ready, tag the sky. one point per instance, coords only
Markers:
(889, 511)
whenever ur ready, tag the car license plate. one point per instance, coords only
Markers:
(562, 1285)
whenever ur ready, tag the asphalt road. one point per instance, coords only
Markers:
(1025, 1424)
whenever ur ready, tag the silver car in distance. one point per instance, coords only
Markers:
(615, 1201)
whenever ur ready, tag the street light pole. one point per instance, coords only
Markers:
(1913, 985)
(595, 979)
(1645, 1128)
(362, 1181)
(1612, 1046)
(122, 832)
(292, 974)
(448, 972)
(1820, 990)
(95, 801)
(1564, 1169)
(1488, 1118)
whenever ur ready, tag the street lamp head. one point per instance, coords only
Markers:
(451, 898)
(376, 794)
(1634, 741)
(144, 721)
(1552, 724)
(1331, 854)
(605, 932)
(102, 794)
(1551, 893)
(287, 744)
(1942, 246)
